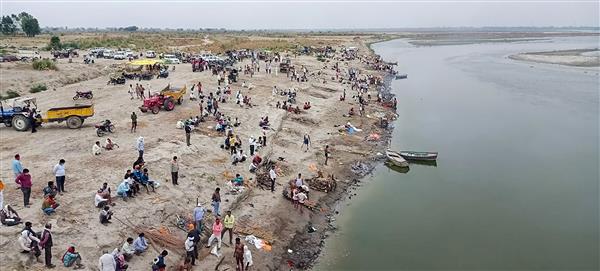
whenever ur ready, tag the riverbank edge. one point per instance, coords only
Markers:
(308, 246)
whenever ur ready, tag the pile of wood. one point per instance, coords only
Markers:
(161, 236)
(310, 204)
(248, 227)
(322, 184)
(263, 179)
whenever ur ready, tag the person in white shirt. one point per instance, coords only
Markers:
(273, 176)
(299, 182)
(107, 262)
(100, 201)
(127, 249)
(96, 149)
(59, 173)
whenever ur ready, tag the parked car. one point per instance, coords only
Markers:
(172, 60)
(108, 53)
(150, 54)
(119, 55)
(28, 55)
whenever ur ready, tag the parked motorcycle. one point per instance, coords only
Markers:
(83, 95)
(104, 128)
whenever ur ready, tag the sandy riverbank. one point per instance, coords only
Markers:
(578, 57)
(203, 166)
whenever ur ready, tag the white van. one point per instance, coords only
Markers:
(150, 54)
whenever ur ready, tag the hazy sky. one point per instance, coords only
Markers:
(306, 14)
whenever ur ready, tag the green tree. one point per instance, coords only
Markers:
(7, 26)
(55, 43)
(29, 24)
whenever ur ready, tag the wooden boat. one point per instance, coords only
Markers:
(396, 159)
(419, 156)
(401, 76)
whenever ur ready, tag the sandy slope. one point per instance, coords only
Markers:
(202, 165)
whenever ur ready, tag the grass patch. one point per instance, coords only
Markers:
(38, 88)
(44, 64)
(9, 95)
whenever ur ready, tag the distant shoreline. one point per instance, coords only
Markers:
(576, 57)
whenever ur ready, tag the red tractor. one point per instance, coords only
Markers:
(165, 99)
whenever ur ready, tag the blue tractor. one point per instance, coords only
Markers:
(16, 115)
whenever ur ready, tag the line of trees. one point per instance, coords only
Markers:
(10, 24)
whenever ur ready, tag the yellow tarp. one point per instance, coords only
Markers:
(143, 62)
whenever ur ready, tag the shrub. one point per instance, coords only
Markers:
(38, 88)
(44, 64)
(9, 95)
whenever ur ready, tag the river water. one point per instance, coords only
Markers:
(516, 185)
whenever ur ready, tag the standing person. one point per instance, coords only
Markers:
(188, 133)
(24, 181)
(248, 255)
(305, 142)
(216, 201)
(17, 167)
(198, 215)
(189, 248)
(264, 138)
(107, 262)
(216, 233)
(299, 182)
(252, 145)
(326, 154)
(59, 173)
(228, 221)
(32, 121)
(174, 170)
(131, 91)
(140, 147)
(201, 104)
(159, 263)
(273, 176)
(133, 122)
(238, 253)
(46, 244)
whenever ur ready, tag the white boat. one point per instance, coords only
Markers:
(396, 159)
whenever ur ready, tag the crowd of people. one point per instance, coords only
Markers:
(138, 177)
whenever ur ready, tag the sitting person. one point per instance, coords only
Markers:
(100, 201)
(140, 245)
(278, 105)
(96, 149)
(123, 189)
(51, 189)
(134, 187)
(28, 241)
(236, 123)
(297, 110)
(255, 162)
(284, 106)
(9, 217)
(342, 98)
(351, 112)
(238, 181)
(71, 257)
(264, 122)
(109, 145)
(139, 162)
(127, 249)
(306, 105)
(105, 215)
(49, 205)
(238, 157)
(145, 181)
